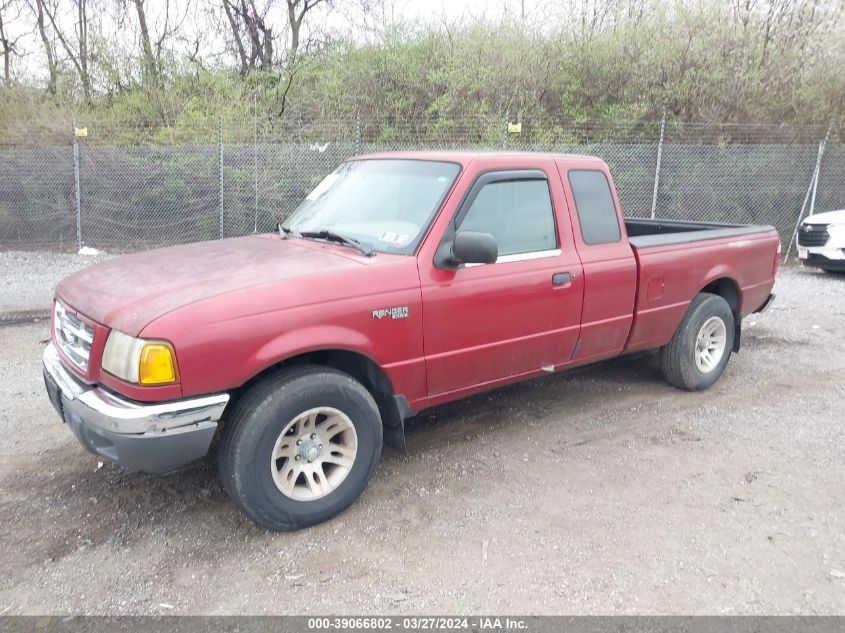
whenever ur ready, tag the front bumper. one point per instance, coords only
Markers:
(817, 260)
(830, 255)
(147, 437)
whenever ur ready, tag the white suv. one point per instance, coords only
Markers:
(821, 241)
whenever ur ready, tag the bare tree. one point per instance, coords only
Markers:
(9, 11)
(776, 25)
(37, 8)
(251, 33)
(153, 44)
(77, 48)
(297, 10)
(150, 62)
(7, 49)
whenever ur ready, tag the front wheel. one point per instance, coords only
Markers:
(701, 346)
(300, 447)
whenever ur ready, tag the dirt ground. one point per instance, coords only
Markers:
(28, 278)
(594, 492)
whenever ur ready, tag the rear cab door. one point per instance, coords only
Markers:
(486, 323)
(609, 265)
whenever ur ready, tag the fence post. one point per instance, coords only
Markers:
(255, 160)
(220, 167)
(657, 167)
(811, 190)
(505, 134)
(78, 193)
(819, 168)
(356, 147)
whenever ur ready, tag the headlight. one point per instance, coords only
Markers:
(139, 361)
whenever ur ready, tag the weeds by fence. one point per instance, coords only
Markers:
(120, 187)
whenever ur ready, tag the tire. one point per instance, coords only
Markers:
(683, 365)
(296, 399)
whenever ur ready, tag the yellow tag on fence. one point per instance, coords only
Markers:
(81, 131)
(515, 128)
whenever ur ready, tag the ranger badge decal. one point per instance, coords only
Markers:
(400, 312)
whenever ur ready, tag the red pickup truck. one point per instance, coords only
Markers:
(403, 281)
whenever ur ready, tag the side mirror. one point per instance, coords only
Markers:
(472, 247)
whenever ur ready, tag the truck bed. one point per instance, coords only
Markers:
(646, 232)
(677, 259)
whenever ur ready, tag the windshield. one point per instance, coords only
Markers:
(385, 205)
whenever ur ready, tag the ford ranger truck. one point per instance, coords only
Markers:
(403, 281)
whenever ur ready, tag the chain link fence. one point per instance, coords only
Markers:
(124, 188)
(831, 184)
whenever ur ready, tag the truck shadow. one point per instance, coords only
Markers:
(808, 271)
(546, 397)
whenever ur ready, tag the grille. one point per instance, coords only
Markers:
(73, 336)
(813, 235)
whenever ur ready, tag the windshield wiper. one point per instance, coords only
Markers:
(326, 234)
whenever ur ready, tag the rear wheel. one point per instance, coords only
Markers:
(701, 346)
(300, 447)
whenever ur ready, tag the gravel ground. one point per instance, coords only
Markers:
(28, 279)
(598, 491)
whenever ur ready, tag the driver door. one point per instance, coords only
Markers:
(518, 315)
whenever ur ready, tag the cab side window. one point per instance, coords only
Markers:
(594, 203)
(518, 213)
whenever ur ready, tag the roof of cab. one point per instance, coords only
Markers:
(464, 158)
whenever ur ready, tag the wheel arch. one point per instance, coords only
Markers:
(729, 290)
(393, 407)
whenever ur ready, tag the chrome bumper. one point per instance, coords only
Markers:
(148, 437)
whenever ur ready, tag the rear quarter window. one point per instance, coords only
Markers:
(594, 204)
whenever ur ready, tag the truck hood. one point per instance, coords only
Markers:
(829, 217)
(129, 292)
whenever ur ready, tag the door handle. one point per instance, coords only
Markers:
(559, 279)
